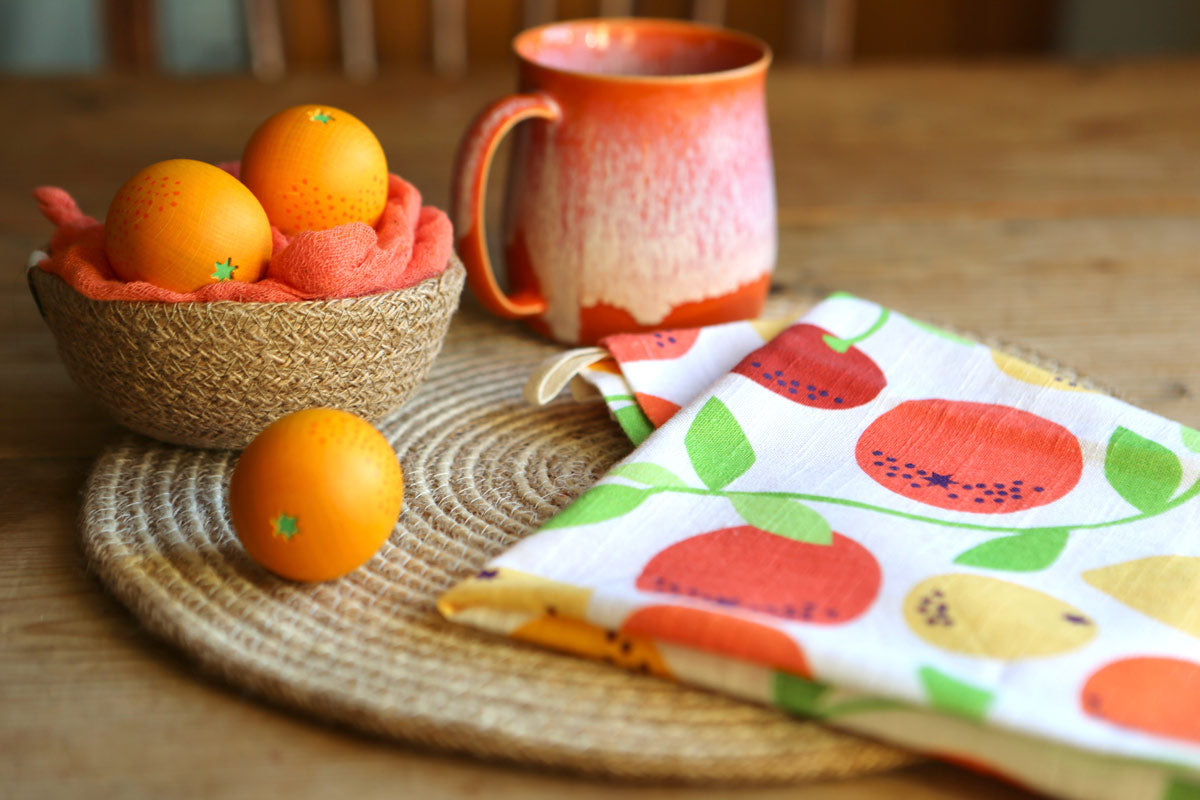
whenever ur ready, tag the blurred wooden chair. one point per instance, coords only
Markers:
(822, 31)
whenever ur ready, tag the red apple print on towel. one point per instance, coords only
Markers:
(807, 364)
(657, 345)
(1157, 695)
(656, 409)
(964, 456)
(719, 633)
(748, 568)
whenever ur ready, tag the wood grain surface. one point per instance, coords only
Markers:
(1049, 205)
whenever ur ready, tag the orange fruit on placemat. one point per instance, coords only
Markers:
(182, 224)
(314, 167)
(316, 494)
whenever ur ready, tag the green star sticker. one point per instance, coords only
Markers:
(285, 526)
(224, 269)
(320, 116)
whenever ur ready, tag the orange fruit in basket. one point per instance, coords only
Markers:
(182, 224)
(315, 167)
(316, 494)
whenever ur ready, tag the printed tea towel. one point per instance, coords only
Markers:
(896, 530)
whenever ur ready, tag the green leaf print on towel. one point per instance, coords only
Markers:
(1181, 789)
(606, 501)
(947, 693)
(717, 446)
(634, 423)
(942, 333)
(808, 698)
(787, 518)
(798, 695)
(1029, 551)
(1191, 438)
(1142, 471)
(649, 473)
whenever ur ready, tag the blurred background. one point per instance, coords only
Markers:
(362, 37)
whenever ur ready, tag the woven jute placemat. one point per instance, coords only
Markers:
(482, 469)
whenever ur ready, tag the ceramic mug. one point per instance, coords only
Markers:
(643, 194)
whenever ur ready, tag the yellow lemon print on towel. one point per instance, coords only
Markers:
(557, 615)
(771, 327)
(988, 617)
(582, 638)
(1162, 587)
(1025, 372)
(512, 590)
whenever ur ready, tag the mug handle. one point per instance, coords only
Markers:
(469, 187)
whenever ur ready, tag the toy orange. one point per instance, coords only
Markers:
(316, 494)
(314, 167)
(182, 224)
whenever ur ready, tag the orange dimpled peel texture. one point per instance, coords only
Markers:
(316, 494)
(315, 167)
(183, 224)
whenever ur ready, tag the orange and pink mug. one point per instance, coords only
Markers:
(643, 194)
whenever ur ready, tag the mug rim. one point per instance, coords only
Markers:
(759, 64)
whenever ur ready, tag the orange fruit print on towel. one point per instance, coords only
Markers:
(965, 456)
(1156, 695)
(656, 346)
(582, 638)
(719, 633)
(810, 366)
(657, 409)
(748, 568)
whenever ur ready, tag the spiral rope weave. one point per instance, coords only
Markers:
(482, 469)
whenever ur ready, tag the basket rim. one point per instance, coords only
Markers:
(453, 267)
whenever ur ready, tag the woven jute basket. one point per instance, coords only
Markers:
(213, 375)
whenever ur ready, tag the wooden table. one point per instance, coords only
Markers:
(1054, 206)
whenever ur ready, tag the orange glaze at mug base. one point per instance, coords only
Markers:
(600, 320)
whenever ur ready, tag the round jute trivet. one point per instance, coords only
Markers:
(482, 470)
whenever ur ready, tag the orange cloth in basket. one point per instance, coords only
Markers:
(408, 244)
